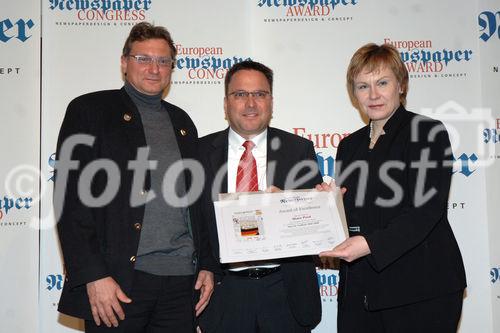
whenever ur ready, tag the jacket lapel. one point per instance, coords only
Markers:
(218, 159)
(275, 158)
(131, 122)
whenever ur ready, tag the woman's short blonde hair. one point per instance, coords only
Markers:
(372, 57)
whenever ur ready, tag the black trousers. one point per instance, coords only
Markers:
(159, 304)
(244, 305)
(437, 315)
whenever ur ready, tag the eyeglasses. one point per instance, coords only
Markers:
(148, 60)
(243, 95)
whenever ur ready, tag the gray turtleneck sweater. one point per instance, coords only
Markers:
(166, 246)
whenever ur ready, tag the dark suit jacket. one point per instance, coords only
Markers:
(100, 242)
(284, 151)
(414, 254)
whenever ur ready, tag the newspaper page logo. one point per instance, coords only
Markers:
(495, 275)
(53, 285)
(9, 205)
(489, 22)
(105, 13)
(307, 11)
(424, 60)
(54, 282)
(14, 31)
(202, 64)
(491, 136)
(328, 284)
(51, 161)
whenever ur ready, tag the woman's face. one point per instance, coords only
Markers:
(377, 93)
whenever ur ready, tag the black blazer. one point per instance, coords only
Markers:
(284, 150)
(100, 242)
(414, 254)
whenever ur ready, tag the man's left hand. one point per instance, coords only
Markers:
(204, 283)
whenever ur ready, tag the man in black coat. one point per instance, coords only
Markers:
(136, 257)
(279, 295)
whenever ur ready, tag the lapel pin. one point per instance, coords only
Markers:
(127, 117)
(183, 132)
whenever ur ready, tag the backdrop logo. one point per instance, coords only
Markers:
(492, 135)
(423, 60)
(465, 164)
(19, 29)
(490, 25)
(328, 284)
(103, 5)
(52, 163)
(307, 10)
(495, 274)
(54, 282)
(328, 141)
(203, 64)
(326, 165)
(102, 12)
(7, 204)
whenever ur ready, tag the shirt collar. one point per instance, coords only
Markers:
(236, 141)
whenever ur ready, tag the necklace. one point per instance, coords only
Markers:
(373, 137)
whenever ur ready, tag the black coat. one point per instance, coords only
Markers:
(414, 254)
(100, 242)
(285, 150)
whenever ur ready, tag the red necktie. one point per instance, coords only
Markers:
(246, 178)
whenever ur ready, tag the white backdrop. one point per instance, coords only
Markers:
(452, 52)
(20, 144)
(489, 46)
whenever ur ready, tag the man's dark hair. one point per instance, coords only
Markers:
(249, 65)
(144, 31)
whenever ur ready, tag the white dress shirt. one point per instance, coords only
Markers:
(234, 152)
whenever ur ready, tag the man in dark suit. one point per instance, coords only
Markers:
(136, 258)
(270, 296)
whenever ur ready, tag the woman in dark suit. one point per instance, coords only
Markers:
(401, 269)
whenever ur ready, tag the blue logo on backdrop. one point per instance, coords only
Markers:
(52, 163)
(103, 5)
(6, 204)
(490, 25)
(310, 3)
(491, 135)
(328, 284)
(203, 64)
(322, 140)
(102, 12)
(495, 274)
(54, 281)
(465, 164)
(19, 29)
(326, 165)
(414, 51)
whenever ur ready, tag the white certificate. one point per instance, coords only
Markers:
(261, 226)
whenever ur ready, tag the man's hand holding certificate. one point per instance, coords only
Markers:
(260, 226)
